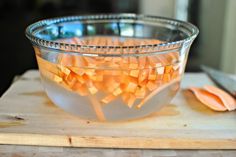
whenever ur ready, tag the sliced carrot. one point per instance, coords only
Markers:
(78, 61)
(174, 74)
(160, 70)
(45, 65)
(137, 78)
(143, 83)
(159, 77)
(125, 96)
(166, 78)
(91, 87)
(133, 63)
(142, 62)
(71, 80)
(151, 61)
(97, 107)
(131, 85)
(140, 92)
(117, 91)
(111, 84)
(82, 90)
(129, 99)
(134, 73)
(152, 75)
(173, 57)
(89, 72)
(168, 69)
(65, 59)
(77, 70)
(176, 67)
(108, 99)
(228, 101)
(163, 60)
(46, 73)
(64, 85)
(57, 79)
(154, 92)
(65, 70)
(80, 79)
(90, 62)
(151, 85)
(143, 74)
(76, 86)
(99, 76)
(208, 99)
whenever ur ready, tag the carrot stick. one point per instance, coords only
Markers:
(108, 99)
(144, 100)
(97, 108)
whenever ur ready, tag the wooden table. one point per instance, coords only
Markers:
(19, 150)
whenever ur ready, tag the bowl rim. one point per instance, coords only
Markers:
(77, 49)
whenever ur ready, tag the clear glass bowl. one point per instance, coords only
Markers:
(112, 66)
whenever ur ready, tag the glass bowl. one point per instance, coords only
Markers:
(111, 67)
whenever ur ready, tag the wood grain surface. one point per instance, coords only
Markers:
(27, 117)
(41, 151)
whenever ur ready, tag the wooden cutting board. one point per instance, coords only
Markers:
(27, 117)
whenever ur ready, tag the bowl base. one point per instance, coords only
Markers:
(116, 110)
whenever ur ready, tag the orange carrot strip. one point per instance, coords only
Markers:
(133, 63)
(97, 108)
(228, 101)
(131, 85)
(168, 69)
(163, 60)
(160, 70)
(117, 91)
(128, 99)
(65, 70)
(65, 60)
(173, 57)
(134, 73)
(92, 89)
(142, 62)
(82, 90)
(77, 70)
(57, 79)
(208, 99)
(151, 85)
(46, 73)
(143, 75)
(166, 78)
(89, 72)
(143, 83)
(80, 79)
(46, 65)
(152, 75)
(140, 92)
(176, 66)
(153, 93)
(91, 62)
(78, 61)
(71, 80)
(151, 61)
(175, 74)
(159, 77)
(76, 86)
(111, 84)
(131, 100)
(108, 99)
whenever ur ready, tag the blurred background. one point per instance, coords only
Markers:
(215, 18)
